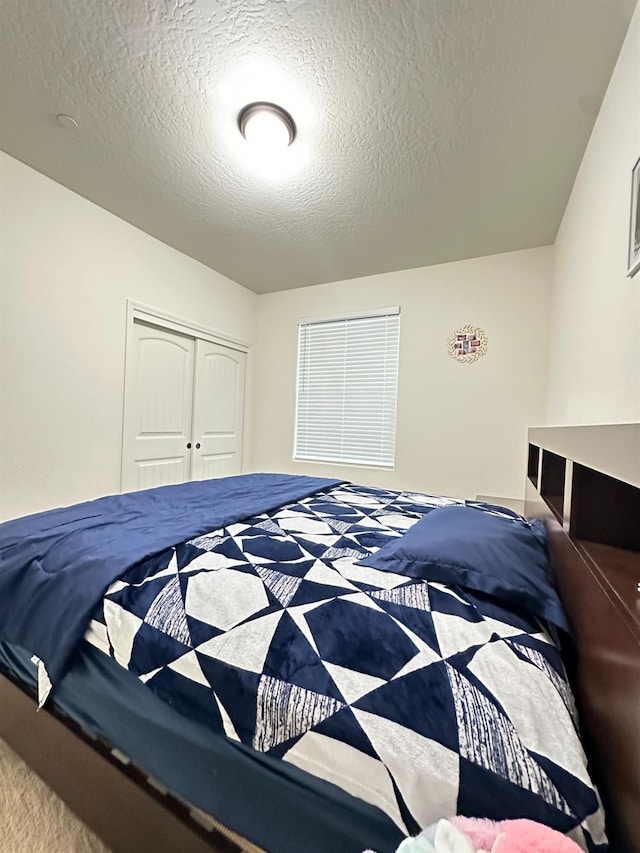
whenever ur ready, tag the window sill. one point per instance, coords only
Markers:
(344, 464)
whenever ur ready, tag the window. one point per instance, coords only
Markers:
(347, 389)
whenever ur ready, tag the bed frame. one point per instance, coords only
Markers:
(585, 482)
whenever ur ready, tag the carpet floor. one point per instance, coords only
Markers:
(33, 819)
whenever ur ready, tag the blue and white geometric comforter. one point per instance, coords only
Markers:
(422, 699)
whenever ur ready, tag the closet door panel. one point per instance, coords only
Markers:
(218, 411)
(158, 409)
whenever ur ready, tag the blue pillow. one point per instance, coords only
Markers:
(506, 558)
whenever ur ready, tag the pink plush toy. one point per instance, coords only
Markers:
(513, 836)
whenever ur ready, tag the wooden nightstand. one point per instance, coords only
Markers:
(510, 503)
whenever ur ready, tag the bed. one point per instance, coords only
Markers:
(278, 709)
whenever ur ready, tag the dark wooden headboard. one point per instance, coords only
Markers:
(586, 482)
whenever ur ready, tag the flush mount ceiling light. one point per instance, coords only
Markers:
(267, 126)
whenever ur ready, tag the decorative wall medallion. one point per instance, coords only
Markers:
(467, 344)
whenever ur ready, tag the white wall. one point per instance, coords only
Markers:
(594, 366)
(461, 427)
(66, 270)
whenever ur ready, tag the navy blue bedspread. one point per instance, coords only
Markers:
(56, 566)
(242, 603)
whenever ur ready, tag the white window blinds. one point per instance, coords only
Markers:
(347, 389)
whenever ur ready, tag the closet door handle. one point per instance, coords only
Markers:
(188, 445)
(198, 446)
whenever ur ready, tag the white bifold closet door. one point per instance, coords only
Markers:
(183, 409)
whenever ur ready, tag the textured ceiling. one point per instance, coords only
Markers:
(428, 130)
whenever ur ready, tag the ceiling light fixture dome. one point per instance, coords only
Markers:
(267, 126)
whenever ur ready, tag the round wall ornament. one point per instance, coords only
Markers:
(467, 344)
